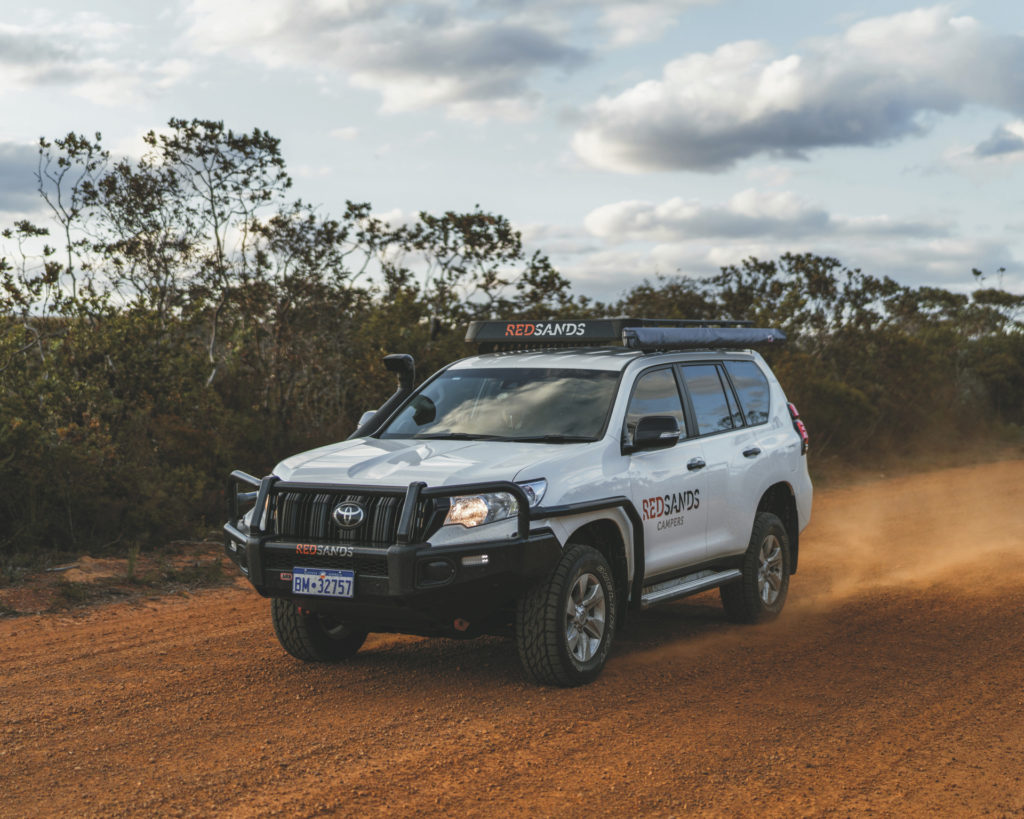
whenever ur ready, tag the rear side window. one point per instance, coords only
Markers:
(753, 390)
(656, 393)
(708, 396)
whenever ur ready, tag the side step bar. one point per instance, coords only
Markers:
(688, 584)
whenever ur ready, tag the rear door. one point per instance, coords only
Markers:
(739, 447)
(720, 430)
(763, 448)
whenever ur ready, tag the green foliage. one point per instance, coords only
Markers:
(109, 435)
(180, 317)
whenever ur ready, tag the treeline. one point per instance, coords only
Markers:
(181, 316)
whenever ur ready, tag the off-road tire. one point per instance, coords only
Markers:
(766, 564)
(544, 625)
(315, 638)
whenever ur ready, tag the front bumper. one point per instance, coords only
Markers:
(456, 589)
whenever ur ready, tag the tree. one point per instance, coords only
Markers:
(65, 175)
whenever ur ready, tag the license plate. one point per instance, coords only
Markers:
(323, 582)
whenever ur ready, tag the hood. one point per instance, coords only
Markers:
(399, 462)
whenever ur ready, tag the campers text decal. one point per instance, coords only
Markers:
(668, 509)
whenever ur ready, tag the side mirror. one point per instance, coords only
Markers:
(654, 432)
(365, 417)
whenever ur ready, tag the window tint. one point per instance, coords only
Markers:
(656, 393)
(708, 396)
(752, 387)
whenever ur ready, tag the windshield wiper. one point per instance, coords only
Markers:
(456, 436)
(530, 439)
(553, 439)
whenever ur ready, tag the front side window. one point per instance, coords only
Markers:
(509, 404)
(753, 390)
(655, 393)
(708, 396)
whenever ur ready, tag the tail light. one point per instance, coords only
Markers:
(799, 426)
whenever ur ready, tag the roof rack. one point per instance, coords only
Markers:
(642, 334)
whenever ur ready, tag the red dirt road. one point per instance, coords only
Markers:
(892, 684)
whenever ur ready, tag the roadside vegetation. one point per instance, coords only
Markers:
(180, 315)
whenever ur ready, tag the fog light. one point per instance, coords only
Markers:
(436, 571)
(475, 560)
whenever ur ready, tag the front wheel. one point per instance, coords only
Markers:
(313, 637)
(565, 625)
(760, 593)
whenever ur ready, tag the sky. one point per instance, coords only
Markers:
(627, 140)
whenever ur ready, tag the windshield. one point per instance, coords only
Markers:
(511, 404)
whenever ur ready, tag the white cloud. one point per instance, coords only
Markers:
(85, 54)
(415, 54)
(1005, 143)
(642, 20)
(876, 83)
(173, 72)
(620, 244)
(348, 133)
(477, 59)
(773, 175)
(609, 272)
(514, 109)
(614, 23)
(748, 214)
(607, 275)
(396, 217)
(559, 240)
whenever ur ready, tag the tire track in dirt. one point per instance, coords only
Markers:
(892, 684)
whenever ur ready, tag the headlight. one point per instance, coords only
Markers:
(488, 507)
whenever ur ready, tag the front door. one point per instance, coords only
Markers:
(667, 485)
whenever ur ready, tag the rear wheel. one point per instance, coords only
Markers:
(760, 593)
(313, 637)
(565, 625)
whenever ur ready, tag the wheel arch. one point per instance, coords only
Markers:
(780, 500)
(605, 535)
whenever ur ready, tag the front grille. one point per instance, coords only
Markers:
(301, 515)
(281, 561)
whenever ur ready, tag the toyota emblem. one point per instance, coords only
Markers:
(349, 515)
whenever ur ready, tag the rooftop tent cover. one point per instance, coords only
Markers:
(715, 338)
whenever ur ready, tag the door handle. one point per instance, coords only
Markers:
(753, 452)
(695, 464)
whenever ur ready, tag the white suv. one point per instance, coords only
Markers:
(542, 490)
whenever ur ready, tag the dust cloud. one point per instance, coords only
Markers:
(953, 535)
(962, 528)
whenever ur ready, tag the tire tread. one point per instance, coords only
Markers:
(302, 635)
(538, 623)
(740, 599)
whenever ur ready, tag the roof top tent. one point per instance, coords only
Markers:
(643, 334)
